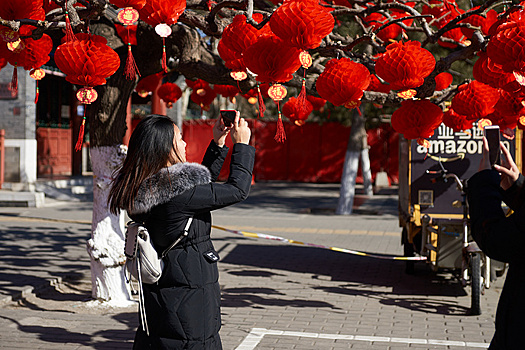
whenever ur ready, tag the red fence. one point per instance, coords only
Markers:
(311, 153)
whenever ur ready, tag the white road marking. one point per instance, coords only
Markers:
(257, 334)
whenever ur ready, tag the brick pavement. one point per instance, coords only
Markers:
(275, 295)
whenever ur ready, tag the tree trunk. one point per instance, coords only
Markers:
(357, 145)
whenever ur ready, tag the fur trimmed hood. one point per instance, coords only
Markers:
(168, 183)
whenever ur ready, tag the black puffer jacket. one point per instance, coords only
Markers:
(502, 238)
(183, 308)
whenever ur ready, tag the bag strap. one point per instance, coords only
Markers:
(184, 234)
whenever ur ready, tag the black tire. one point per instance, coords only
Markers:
(475, 274)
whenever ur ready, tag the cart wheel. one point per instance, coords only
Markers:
(408, 251)
(475, 274)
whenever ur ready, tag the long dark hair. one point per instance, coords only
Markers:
(150, 148)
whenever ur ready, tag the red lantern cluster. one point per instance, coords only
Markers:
(507, 45)
(342, 82)
(456, 122)
(417, 119)
(157, 12)
(475, 100)
(169, 93)
(405, 65)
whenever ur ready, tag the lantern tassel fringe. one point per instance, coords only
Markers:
(70, 36)
(14, 82)
(131, 70)
(260, 100)
(164, 64)
(280, 135)
(37, 93)
(301, 99)
(80, 139)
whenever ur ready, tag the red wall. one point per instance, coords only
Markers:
(311, 153)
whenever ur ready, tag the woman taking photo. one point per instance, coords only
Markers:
(157, 187)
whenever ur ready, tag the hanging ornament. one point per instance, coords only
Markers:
(163, 30)
(295, 112)
(16, 46)
(482, 123)
(443, 80)
(70, 36)
(128, 16)
(37, 74)
(456, 122)
(86, 95)
(169, 93)
(475, 100)
(239, 76)
(277, 92)
(8, 35)
(148, 84)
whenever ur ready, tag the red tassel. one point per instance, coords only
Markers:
(262, 107)
(280, 136)
(70, 36)
(37, 93)
(131, 69)
(301, 98)
(14, 82)
(164, 65)
(80, 139)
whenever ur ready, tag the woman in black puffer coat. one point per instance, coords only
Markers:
(157, 187)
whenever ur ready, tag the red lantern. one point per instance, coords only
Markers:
(302, 24)
(342, 82)
(507, 47)
(87, 60)
(479, 22)
(232, 59)
(509, 105)
(295, 112)
(475, 100)
(443, 81)
(442, 11)
(3, 62)
(169, 93)
(417, 119)
(227, 91)
(456, 37)
(490, 73)
(376, 20)
(202, 93)
(405, 65)
(148, 84)
(272, 60)
(19, 9)
(136, 4)
(156, 12)
(37, 74)
(317, 102)
(456, 122)
(377, 85)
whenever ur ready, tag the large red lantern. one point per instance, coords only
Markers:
(294, 111)
(475, 100)
(169, 93)
(417, 119)
(456, 122)
(227, 91)
(481, 22)
(202, 93)
(19, 9)
(317, 102)
(271, 60)
(87, 60)
(148, 84)
(302, 24)
(376, 20)
(405, 65)
(342, 82)
(490, 73)
(507, 47)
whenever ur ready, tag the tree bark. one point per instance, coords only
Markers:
(357, 146)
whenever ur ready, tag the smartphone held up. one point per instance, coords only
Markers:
(492, 134)
(228, 116)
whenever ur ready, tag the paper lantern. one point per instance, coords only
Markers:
(490, 73)
(479, 22)
(227, 91)
(456, 122)
(376, 20)
(128, 16)
(417, 119)
(169, 93)
(316, 102)
(456, 37)
(475, 100)
(441, 10)
(37, 74)
(405, 65)
(202, 94)
(377, 85)
(271, 60)
(148, 84)
(295, 112)
(509, 105)
(87, 60)
(443, 81)
(302, 24)
(342, 82)
(19, 9)
(507, 47)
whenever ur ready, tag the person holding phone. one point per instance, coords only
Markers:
(158, 188)
(502, 237)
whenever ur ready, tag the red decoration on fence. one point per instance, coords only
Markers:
(405, 65)
(475, 100)
(169, 93)
(342, 82)
(417, 119)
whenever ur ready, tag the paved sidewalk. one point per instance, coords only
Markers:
(275, 295)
